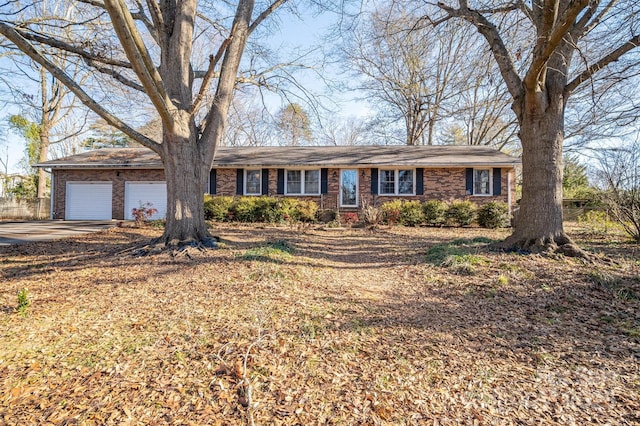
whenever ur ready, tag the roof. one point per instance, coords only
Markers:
(301, 156)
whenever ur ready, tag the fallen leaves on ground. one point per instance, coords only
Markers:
(288, 327)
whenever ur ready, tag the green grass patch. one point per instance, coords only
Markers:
(274, 251)
(460, 251)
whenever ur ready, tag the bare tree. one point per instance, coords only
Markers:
(439, 84)
(150, 49)
(294, 125)
(570, 43)
(347, 131)
(54, 103)
(406, 77)
(481, 110)
(249, 123)
(618, 175)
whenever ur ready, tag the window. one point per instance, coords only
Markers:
(397, 182)
(253, 182)
(312, 181)
(387, 182)
(302, 182)
(481, 182)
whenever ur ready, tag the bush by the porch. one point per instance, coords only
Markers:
(493, 215)
(259, 209)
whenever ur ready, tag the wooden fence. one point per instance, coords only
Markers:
(13, 208)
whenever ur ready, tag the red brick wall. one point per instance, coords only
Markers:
(443, 184)
(116, 177)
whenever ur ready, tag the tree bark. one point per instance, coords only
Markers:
(539, 223)
(44, 153)
(186, 176)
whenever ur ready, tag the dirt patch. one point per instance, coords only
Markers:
(305, 326)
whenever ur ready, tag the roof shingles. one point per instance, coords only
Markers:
(314, 156)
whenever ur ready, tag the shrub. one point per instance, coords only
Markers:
(391, 210)
(372, 215)
(411, 213)
(461, 213)
(266, 209)
(327, 215)
(350, 218)
(143, 213)
(493, 215)
(435, 212)
(286, 209)
(307, 211)
(597, 222)
(404, 212)
(243, 209)
(217, 207)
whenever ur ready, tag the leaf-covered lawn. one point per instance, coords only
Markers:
(287, 326)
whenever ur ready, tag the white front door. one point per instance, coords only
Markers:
(348, 188)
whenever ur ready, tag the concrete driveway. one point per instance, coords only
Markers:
(24, 232)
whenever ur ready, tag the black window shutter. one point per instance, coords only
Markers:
(280, 181)
(469, 185)
(419, 181)
(374, 181)
(324, 181)
(213, 175)
(497, 181)
(265, 181)
(239, 181)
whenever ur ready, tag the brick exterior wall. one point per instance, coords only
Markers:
(442, 184)
(116, 177)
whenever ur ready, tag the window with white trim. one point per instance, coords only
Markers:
(253, 182)
(302, 182)
(397, 182)
(481, 181)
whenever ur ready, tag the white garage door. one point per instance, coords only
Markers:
(138, 194)
(88, 201)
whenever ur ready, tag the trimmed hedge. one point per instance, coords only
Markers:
(258, 209)
(493, 215)
(435, 212)
(403, 212)
(462, 213)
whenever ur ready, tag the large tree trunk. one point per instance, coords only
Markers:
(538, 226)
(186, 176)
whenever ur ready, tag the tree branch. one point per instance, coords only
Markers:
(498, 48)
(116, 76)
(551, 32)
(211, 132)
(140, 16)
(265, 13)
(141, 62)
(603, 62)
(58, 44)
(16, 38)
(213, 60)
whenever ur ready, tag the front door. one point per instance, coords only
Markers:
(348, 188)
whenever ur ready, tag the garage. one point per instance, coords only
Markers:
(88, 201)
(138, 194)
